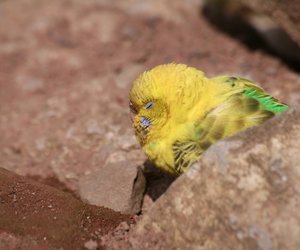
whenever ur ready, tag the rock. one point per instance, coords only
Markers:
(279, 25)
(271, 20)
(243, 194)
(118, 239)
(91, 245)
(119, 186)
(286, 15)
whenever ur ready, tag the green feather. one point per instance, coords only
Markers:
(268, 102)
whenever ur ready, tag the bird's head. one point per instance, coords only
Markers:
(148, 119)
(161, 96)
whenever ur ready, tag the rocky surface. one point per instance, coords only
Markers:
(115, 188)
(243, 194)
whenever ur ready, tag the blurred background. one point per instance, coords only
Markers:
(66, 67)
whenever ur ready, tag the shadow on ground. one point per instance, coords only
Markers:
(238, 28)
(157, 181)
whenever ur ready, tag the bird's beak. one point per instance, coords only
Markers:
(140, 132)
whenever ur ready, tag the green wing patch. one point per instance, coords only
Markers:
(268, 102)
(251, 90)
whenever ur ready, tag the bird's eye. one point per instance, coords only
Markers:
(149, 105)
(145, 123)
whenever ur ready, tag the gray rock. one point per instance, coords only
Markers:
(243, 194)
(119, 186)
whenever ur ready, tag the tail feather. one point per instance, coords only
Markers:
(251, 90)
(268, 102)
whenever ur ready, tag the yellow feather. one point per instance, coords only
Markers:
(178, 113)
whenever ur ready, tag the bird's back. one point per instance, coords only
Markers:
(235, 105)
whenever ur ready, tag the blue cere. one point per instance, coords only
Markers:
(145, 123)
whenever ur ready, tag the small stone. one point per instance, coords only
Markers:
(124, 226)
(119, 186)
(91, 245)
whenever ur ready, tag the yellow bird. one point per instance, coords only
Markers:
(178, 112)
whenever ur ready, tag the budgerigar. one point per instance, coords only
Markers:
(178, 112)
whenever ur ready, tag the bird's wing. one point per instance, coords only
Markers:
(251, 90)
(186, 153)
(237, 113)
(247, 105)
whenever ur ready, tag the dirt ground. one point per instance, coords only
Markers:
(52, 218)
(65, 70)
